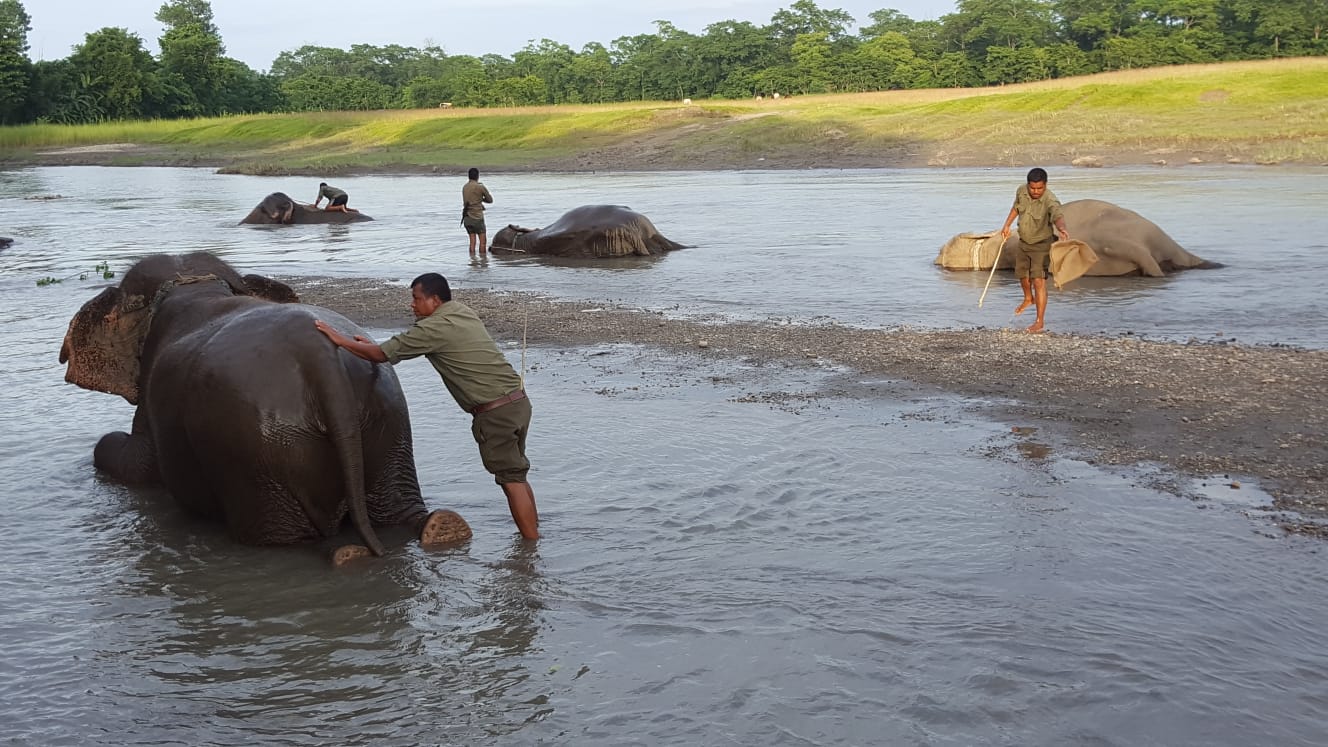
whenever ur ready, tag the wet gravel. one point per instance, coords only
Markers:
(1205, 410)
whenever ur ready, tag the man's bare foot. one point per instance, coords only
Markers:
(1021, 307)
(1035, 326)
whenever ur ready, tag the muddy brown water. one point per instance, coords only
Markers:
(720, 566)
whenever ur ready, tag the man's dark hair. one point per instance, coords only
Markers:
(474, 173)
(1037, 174)
(433, 284)
(322, 184)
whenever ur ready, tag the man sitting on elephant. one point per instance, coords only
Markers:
(336, 198)
(1037, 209)
(479, 378)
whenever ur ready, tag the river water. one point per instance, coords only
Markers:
(716, 569)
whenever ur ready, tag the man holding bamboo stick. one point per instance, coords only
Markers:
(1037, 210)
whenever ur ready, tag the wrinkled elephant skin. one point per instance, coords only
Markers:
(278, 208)
(246, 413)
(590, 231)
(1126, 243)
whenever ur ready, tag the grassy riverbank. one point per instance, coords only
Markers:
(1254, 112)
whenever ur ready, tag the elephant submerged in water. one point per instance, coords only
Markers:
(245, 412)
(278, 207)
(1125, 242)
(592, 231)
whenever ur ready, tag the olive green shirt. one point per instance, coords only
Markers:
(473, 196)
(330, 192)
(1037, 218)
(455, 341)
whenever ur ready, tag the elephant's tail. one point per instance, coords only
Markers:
(341, 408)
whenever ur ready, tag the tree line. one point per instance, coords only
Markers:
(804, 49)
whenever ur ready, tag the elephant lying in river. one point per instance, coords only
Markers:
(278, 207)
(245, 411)
(588, 231)
(1126, 243)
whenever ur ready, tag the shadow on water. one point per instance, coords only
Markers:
(602, 263)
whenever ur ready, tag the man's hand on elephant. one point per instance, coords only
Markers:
(326, 329)
(362, 338)
(1005, 232)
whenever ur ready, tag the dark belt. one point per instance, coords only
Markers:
(503, 400)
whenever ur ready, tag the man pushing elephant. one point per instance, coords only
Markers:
(1037, 210)
(479, 378)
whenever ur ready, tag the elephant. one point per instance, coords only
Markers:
(1126, 243)
(589, 231)
(245, 412)
(278, 207)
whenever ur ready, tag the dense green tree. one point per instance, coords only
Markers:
(805, 17)
(1089, 22)
(15, 67)
(315, 92)
(804, 48)
(884, 62)
(728, 54)
(592, 74)
(118, 74)
(192, 56)
(552, 63)
(813, 60)
(526, 90)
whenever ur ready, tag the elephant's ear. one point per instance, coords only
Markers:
(102, 347)
(272, 290)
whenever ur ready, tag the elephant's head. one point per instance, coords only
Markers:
(509, 237)
(105, 339)
(275, 208)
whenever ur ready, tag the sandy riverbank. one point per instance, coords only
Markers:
(1225, 413)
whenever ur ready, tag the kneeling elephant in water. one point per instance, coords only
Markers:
(278, 207)
(245, 412)
(1125, 242)
(593, 231)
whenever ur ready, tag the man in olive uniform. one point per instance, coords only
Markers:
(1037, 210)
(478, 377)
(473, 197)
(336, 198)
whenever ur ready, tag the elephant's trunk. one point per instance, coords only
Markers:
(343, 427)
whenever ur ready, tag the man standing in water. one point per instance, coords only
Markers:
(477, 375)
(473, 196)
(1037, 210)
(336, 198)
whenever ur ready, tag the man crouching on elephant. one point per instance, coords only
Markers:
(479, 378)
(1037, 209)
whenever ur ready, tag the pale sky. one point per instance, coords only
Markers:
(256, 31)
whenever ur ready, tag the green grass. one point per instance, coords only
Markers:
(1271, 110)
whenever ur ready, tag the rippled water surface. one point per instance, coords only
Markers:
(716, 569)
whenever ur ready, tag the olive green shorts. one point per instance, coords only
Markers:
(474, 225)
(501, 434)
(1033, 260)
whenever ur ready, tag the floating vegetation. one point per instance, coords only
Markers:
(101, 268)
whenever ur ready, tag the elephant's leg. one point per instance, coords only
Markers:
(1138, 253)
(443, 527)
(130, 458)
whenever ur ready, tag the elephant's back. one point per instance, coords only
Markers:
(594, 217)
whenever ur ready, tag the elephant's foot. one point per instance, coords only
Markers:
(348, 553)
(444, 527)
